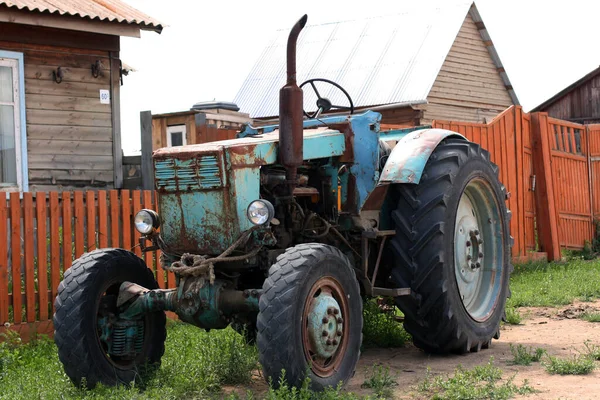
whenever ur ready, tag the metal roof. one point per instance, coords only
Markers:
(101, 10)
(382, 60)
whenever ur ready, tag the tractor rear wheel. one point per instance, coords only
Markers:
(452, 248)
(90, 337)
(310, 319)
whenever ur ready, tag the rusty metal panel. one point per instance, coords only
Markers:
(203, 172)
(101, 10)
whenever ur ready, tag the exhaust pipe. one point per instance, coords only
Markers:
(291, 136)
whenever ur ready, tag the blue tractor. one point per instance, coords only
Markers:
(284, 231)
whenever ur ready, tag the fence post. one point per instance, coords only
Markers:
(587, 131)
(546, 222)
(146, 137)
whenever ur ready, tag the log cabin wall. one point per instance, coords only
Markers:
(468, 87)
(69, 132)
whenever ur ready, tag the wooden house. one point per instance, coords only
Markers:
(60, 78)
(579, 102)
(428, 63)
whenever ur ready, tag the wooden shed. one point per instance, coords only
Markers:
(60, 78)
(424, 64)
(579, 102)
(204, 122)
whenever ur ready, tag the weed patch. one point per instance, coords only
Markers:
(380, 328)
(576, 365)
(591, 317)
(481, 382)
(513, 317)
(285, 392)
(380, 381)
(525, 356)
(591, 350)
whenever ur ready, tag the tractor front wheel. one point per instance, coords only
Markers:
(452, 248)
(94, 345)
(310, 319)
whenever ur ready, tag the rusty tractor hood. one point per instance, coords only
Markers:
(205, 189)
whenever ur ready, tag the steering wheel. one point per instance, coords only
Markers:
(323, 103)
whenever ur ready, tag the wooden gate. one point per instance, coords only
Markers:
(593, 135)
(571, 181)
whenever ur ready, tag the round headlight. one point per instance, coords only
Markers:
(260, 212)
(145, 221)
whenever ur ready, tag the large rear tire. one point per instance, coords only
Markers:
(452, 248)
(88, 293)
(310, 319)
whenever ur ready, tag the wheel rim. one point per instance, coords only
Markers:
(325, 326)
(478, 249)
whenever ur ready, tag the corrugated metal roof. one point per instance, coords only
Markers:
(382, 60)
(102, 10)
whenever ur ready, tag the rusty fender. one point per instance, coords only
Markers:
(409, 157)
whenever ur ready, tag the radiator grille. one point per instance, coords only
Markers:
(200, 173)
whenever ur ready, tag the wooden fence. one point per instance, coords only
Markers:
(550, 167)
(45, 232)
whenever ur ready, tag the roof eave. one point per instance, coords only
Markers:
(13, 14)
(487, 40)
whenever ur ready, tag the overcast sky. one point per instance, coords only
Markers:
(208, 47)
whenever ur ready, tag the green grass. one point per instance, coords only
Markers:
(380, 381)
(525, 356)
(195, 365)
(554, 284)
(591, 317)
(513, 317)
(576, 365)
(480, 382)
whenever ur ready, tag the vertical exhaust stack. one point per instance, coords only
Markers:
(291, 137)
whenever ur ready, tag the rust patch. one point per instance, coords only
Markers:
(376, 198)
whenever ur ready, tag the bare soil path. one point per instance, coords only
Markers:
(557, 330)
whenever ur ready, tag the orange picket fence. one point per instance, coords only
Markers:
(45, 232)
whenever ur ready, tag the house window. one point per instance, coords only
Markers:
(13, 152)
(176, 135)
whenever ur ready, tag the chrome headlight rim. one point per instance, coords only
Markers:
(146, 221)
(265, 206)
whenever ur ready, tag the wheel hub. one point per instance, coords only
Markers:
(477, 250)
(325, 325)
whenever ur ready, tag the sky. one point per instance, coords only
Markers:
(207, 48)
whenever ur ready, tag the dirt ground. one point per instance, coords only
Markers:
(557, 330)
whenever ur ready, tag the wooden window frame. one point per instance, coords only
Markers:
(177, 128)
(21, 135)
